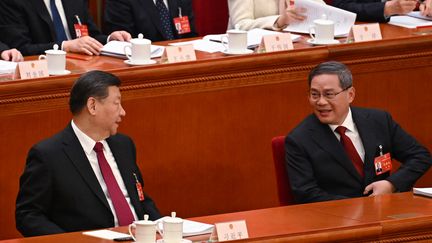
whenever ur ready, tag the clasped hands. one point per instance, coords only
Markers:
(90, 46)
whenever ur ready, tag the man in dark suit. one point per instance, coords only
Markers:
(325, 162)
(10, 54)
(142, 16)
(380, 11)
(66, 185)
(29, 26)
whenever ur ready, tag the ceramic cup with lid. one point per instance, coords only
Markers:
(172, 229)
(143, 231)
(56, 60)
(322, 31)
(139, 52)
(236, 39)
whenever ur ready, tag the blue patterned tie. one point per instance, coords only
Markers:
(58, 24)
(165, 19)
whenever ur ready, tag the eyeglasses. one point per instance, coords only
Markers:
(329, 95)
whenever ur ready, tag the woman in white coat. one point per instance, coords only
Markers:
(264, 14)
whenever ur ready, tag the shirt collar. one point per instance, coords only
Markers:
(348, 123)
(87, 143)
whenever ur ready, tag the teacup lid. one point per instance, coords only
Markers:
(140, 40)
(55, 50)
(146, 221)
(173, 219)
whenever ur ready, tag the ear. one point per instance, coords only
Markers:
(91, 105)
(351, 94)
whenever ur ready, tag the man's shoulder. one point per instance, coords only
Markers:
(306, 124)
(370, 113)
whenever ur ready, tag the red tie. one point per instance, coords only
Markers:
(121, 207)
(350, 150)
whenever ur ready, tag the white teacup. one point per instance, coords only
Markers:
(172, 229)
(145, 230)
(56, 60)
(322, 31)
(140, 50)
(237, 41)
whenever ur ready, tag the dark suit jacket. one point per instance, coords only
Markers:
(59, 191)
(320, 170)
(3, 47)
(29, 26)
(141, 16)
(366, 10)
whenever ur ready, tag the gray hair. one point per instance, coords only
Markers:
(333, 67)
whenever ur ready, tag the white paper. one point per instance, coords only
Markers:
(7, 67)
(116, 49)
(105, 234)
(409, 22)
(254, 37)
(416, 14)
(190, 227)
(202, 45)
(343, 19)
(423, 191)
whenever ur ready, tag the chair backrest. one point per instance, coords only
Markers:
(283, 185)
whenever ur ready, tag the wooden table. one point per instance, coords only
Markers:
(203, 129)
(391, 218)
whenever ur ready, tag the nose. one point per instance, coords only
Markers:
(122, 111)
(321, 100)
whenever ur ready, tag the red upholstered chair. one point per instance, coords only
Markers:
(283, 185)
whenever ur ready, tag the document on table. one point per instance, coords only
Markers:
(423, 191)
(191, 228)
(116, 49)
(343, 19)
(105, 234)
(7, 67)
(409, 22)
(416, 14)
(254, 37)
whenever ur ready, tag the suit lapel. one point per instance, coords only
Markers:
(325, 138)
(124, 162)
(70, 12)
(150, 8)
(370, 142)
(42, 10)
(173, 8)
(72, 148)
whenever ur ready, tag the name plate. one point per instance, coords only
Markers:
(273, 43)
(366, 32)
(184, 53)
(227, 231)
(32, 69)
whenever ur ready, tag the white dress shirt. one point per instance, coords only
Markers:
(352, 133)
(165, 1)
(61, 11)
(88, 144)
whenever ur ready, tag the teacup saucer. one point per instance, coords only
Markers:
(129, 62)
(64, 72)
(314, 42)
(182, 241)
(242, 52)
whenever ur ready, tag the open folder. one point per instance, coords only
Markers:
(116, 49)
